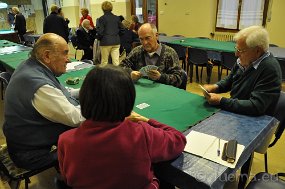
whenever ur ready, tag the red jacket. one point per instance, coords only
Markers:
(87, 17)
(116, 155)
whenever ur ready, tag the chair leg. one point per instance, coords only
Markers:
(2, 90)
(75, 53)
(191, 72)
(201, 74)
(14, 184)
(220, 71)
(209, 72)
(27, 181)
(197, 74)
(265, 162)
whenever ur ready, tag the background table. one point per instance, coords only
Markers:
(6, 43)
(10, 35)
(11, 61)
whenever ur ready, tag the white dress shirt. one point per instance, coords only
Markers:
(52, 104)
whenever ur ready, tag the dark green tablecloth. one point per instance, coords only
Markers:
(172, 106)
(11, 61)
(6, 43)
(208, 44)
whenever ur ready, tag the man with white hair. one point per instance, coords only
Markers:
(255, 80)
(85, 37)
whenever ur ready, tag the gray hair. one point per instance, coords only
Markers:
(254, 36)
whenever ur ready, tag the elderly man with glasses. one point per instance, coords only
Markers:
(255, 80)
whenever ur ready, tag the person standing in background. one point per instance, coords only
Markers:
(10, 17)
(20, 23)
(109, 29)
(56, 24)
(60, 13)
(86, 36)
(85, 15)
(135, 25)
(127, 38)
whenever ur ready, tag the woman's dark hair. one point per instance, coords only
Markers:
(107, 94)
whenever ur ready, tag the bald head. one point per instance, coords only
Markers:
(147, 27)
(148, 37)
(48, 41)
(86, 24)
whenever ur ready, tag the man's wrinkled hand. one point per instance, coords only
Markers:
(154, 75)
(136, 75)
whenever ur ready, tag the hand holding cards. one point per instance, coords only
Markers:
(205, 92)
(144, 70)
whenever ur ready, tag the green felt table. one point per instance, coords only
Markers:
(6, 43)
(175, 107)
(208, 44)
(11, 61)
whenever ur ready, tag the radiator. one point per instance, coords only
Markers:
(223, 36)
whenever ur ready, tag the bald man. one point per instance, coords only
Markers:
(153, 53)
(86, 36)
(37, 107)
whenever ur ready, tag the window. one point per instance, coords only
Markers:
(239, 14)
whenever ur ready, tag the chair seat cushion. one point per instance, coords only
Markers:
(8, 166)
(266, 181)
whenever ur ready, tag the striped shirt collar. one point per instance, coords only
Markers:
(255, 63)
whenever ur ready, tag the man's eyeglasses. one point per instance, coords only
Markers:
(241, 51)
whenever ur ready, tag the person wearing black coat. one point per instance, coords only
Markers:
(85, 37)
(20, 23)
(56, 24)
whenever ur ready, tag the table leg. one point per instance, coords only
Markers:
(245, 172)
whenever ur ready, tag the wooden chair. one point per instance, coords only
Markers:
(14, 173)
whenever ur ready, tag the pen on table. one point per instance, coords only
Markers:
(218, 151)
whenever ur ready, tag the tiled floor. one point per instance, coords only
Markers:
(276, 154)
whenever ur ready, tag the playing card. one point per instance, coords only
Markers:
(142, 106)
(144, 70)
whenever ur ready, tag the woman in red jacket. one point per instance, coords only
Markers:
(109, 150)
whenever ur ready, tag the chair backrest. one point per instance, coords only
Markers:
(282, 65)
(278, 129)
(203, 37)
(272, 45)
(177, 35)
(279, 114)
(87, 61)
(266, 181)
(228, 59)
(180, 50)
(5, 77)
(29, 40)
(197, 56)
(163, 34)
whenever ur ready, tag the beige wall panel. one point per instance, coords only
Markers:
(276, 26)
(72, 13)
(190, 18)
(39, 21)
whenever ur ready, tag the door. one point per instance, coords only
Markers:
(146, 10)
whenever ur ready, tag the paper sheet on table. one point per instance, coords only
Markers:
(77, 66)
(71, 65)
(206, 146)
